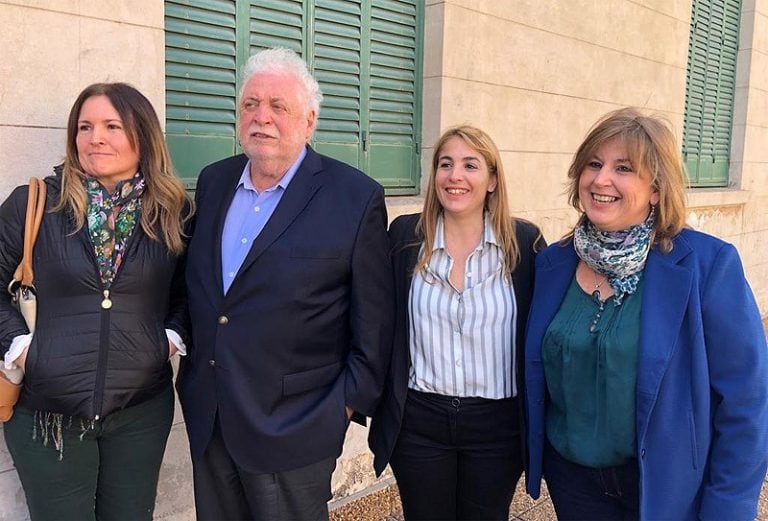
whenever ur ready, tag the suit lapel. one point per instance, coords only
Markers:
(300, 191)
(522, 281)
(217, 196)
(223, 203)
(411, 254)
(552, 282)
(520, 271)
(666, 292)
(405, 252)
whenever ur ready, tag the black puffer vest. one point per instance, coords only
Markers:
(87, 359)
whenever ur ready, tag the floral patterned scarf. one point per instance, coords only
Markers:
(111, 220)
(619, 255)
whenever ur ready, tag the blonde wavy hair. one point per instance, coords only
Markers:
(164, 205)
(654, 151)
(496, 202)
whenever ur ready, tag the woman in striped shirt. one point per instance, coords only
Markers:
(450, 420)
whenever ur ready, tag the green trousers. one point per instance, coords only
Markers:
(107, 472)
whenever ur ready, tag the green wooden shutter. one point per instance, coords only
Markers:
(394, 112)
(200, 86)
(711, 82)
(338, 66)
(364, 53)
(276, 23)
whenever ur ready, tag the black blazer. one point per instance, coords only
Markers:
(405, 245)
(306, 325)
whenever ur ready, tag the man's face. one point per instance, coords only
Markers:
(275, 120)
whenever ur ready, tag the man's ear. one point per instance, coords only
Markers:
(311, 123)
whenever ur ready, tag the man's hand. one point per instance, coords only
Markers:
(350, 411)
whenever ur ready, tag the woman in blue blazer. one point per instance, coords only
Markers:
(646, 364)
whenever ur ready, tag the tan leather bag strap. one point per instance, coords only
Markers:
(35, 210)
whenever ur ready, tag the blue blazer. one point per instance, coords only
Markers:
(702, 380)
(306, 326)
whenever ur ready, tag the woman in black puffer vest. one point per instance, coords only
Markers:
(89, 431)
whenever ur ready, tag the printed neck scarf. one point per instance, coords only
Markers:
(619, 255)
(111, 220)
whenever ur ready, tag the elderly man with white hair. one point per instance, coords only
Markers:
(290, 297)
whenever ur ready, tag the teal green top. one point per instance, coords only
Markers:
(591, 377)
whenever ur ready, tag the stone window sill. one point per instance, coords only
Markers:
(707, 197)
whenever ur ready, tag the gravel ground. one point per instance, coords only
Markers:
(384, 505)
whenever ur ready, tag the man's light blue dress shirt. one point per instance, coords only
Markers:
(247, 216)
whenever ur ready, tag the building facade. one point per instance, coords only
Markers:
(535, 74)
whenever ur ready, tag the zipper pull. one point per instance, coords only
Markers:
(106, 303)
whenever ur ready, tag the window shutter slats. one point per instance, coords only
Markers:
(393, 95)
(337, 64)
(276, 23)
(364, 53)
(200, 83)
(711, 82)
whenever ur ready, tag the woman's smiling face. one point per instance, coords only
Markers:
(613, 194)
(462, 179)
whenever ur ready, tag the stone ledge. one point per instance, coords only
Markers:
(704, 197)
(401, 205)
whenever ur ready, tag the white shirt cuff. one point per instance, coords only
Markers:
(21, 342)
(175, 338)
(18, 345)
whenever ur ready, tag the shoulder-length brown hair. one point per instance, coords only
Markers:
(164, 205)
(495, 202)
(653, 151)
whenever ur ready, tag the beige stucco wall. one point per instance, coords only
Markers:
(51, 50)
(749, 153)
(740, 214)
(536, 75)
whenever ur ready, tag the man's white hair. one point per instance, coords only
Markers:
(282, 60)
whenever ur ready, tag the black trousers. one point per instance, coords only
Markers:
(457, 458)
(226, 491)
(593, 494)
